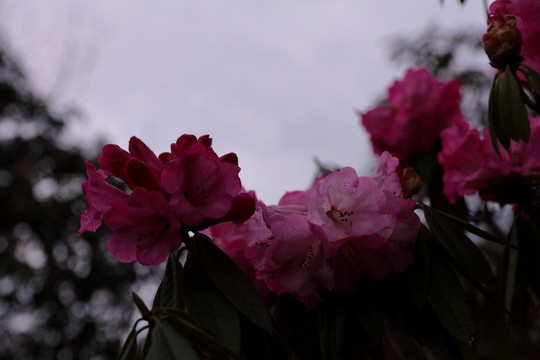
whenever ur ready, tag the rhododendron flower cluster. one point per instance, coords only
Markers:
(343, 230)
(189, 187)
(418, 108)
(527, 16)
(471, 165)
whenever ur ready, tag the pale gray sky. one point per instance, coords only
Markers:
(278, 82)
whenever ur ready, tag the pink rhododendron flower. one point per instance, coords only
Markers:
(139, 167)
(367, 221)
(191, 187)
(418, 108)
(341, 231)
(527, 13)
(471, 165)
(297, 260)
(202, 185)
(145, 228)
(99, 196)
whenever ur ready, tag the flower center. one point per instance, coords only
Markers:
(342, 217)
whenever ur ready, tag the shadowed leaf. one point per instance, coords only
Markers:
(169, 344)
(208, 305)
(459, 246)
(231, 281)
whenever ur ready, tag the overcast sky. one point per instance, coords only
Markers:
(278, 82)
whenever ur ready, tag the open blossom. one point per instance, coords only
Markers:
(368, 222)
(527, 15)
(343, 230)
(191, 187)
(418, 108)
(203, 186)
(471, 165)
(145, 228)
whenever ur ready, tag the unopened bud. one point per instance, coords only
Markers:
(502, 42)
(410, 181)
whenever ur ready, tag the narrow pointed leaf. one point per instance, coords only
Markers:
(167, 344)
(448, 299)
(332, 325)
(140, 305)
(460, 247)
(210, 307)
(509, 268)
(514, 117)
(494, 116)
(476, 231)
(129, 349)
(171, 286)
(231, 281)
(417, 275)
(199, 338)
(533, 78)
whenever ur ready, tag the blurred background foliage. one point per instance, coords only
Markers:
(61, 296)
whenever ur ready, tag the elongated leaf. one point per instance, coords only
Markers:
(448, 299)
(231, 281)
(494, 116)
(196, 336)
(332, 325)
(460, 247)
(418, 273)
(140, 305)
(509, 268)
(368, 311)
(167, 344)
(210, 307)
(513, 111)
(476, 231)
(171, 294)
(129, 349)
(529, 240)
(533, 78)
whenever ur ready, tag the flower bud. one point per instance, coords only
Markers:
(502, 42)
(409, 179)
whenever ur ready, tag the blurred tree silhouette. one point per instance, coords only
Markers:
(451, 54)
(61, 296)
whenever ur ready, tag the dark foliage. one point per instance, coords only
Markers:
(61, 296)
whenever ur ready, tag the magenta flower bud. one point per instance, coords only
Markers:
(502, 42)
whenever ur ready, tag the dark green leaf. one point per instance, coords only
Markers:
(509, 269)
(147, 344)
(417, 275)
(157, 298)
(198, 337)
(399, 345)
(140, 305)
(494, 117)
(129, 349)
(448, 299)
(169, 344)
(171, 286)
(367, 310)
(231, 281)
(529, 240)
(332, 325)
(463, 251)
(511, 114)
(476, 231)
(210, 307)
(533, 78)
(514, 114)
